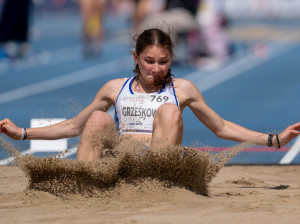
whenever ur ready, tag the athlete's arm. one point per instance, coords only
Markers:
(226, 129)
(72, 127)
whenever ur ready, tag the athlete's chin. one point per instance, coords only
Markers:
(150, 80)
(155, 79)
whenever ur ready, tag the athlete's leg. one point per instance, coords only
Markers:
(167, 126)
(90, 145)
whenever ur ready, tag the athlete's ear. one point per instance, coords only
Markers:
(135, 57)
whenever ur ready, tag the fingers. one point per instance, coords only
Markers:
(9, 128)
(3, 122)
(289, 134)
(295, 133)
(295, 126)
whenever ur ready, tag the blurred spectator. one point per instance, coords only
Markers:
(92, 21)
(14, 24)
(179, 15)
(144, 8)
(197, 23)
(212, 22)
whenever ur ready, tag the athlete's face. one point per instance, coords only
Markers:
(154, 63)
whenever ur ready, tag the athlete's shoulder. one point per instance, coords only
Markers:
(110, 90)
(115, 83)
(185, 88)
(182, 83)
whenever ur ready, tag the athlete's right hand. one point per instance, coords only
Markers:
(10, 129)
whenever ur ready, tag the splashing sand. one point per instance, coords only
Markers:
(125, 167)
(8, 148)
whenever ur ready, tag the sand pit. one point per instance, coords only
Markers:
(135, 185)
(239, 194)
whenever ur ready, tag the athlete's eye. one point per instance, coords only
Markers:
(163, 62)
(150, 61)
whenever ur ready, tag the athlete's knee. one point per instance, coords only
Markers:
(169, 112)
(99, 119)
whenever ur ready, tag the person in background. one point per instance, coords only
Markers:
(213, 35)
(14, 28)
(92, 12)
(197, 30)
(179, 15)
(145, 8)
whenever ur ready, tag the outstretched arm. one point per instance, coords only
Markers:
(69, 128)
(226, 129)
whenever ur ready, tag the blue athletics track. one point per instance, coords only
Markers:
(257, 88)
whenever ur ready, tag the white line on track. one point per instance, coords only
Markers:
(236, 68)
(10, 159)
(46, 58)
(70, 152)
(101, 70)
(43, 58)
(292, 153)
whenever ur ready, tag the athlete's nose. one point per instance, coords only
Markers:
(155, 68)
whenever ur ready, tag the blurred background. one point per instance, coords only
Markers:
(243, 55)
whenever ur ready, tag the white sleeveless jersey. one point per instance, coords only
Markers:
(134, 112)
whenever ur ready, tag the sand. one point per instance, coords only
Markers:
(238, 194)
(131, 184)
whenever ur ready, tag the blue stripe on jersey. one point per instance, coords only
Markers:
(174, 94)
(116, 116)
(162, 89)
(130, 89)
(116, 119)
(130, 86)
(121, 90)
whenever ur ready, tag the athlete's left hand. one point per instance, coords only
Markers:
(289, 134)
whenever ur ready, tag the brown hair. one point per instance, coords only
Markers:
(152, 37)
